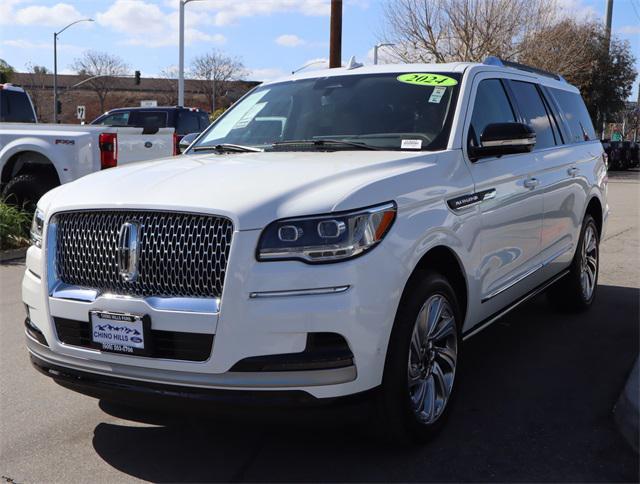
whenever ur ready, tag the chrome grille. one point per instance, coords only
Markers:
(181, 254)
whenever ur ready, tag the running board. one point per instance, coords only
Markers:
(492, 319)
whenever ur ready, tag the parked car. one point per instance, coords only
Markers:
(183, 120)
(15, 105)
(336, 233)
(35, 158)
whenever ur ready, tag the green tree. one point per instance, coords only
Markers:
(6, 71)
(603, 71)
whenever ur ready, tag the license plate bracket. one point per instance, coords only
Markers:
(122, 333)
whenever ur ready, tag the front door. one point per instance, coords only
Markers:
(509, 263)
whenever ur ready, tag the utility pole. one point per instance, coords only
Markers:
(608, 21)
(607, 33)
(335, 39)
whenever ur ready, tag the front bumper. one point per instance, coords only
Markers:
(245, 327)
(146, 394)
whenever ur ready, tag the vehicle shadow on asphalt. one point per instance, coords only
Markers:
(534, 403)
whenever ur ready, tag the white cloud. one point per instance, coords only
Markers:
(289, 40)
(58, 14)
(160, 29)
(629, 30)
(225, 12)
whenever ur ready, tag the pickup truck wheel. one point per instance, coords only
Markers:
(423, 354)
(25, 190)
(577, 290)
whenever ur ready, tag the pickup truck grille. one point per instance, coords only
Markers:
(181, 254)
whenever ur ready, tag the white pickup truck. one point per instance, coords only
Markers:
(35, 158)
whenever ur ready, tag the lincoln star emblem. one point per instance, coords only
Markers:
(128, 251)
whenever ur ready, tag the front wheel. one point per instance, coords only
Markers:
(422, 358)
(577, 290)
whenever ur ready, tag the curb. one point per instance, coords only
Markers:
(13, 254)
(627, 409)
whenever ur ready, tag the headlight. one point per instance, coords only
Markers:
(36, 228)
(326, 238)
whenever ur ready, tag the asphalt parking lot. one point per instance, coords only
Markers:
(534, 404)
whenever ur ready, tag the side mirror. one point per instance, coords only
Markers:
(186, 141)
(499, 139)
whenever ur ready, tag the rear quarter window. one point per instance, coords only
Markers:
(576, 115)
(187, 122)
(16, 107)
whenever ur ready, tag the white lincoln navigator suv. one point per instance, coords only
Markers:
(334, 233)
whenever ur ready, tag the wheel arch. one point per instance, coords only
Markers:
(29, 162)
(594, 208)
(446, 262)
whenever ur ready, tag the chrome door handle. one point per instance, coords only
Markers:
(531, 183)
(573, 171)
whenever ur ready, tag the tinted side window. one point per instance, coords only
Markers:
(116, 119)
(204, 121)
(535, 114)
(16, 107)
(148, 119)
(491, 106)
(576, 114)
(187, 123)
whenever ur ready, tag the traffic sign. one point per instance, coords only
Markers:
(80, 112)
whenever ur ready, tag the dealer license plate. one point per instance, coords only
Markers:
(118, 332)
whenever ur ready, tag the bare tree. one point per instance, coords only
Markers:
(170, 79)
(101, 64)
(219, 69)
(35, 84)
(463, 30)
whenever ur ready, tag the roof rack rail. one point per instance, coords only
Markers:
(496, 61)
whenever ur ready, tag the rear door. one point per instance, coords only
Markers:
(566, 179)
(509, 262)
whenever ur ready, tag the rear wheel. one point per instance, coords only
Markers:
(25, 190)
(422, 358)
(577, 290)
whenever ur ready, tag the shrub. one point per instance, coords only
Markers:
(14, 227)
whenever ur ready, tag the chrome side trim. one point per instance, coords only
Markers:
(544, 263)
(299, 292)
(512, 283)
(492, 319)
(554, 256)
(470, 200)
(179, 304)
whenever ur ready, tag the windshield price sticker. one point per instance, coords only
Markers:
(411, 144)
(426, 79)
(436, 95)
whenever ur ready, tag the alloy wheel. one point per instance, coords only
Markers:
(433, 354)
(589, 262)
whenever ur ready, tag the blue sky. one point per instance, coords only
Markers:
(272, 37)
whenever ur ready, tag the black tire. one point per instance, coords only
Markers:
(568, 293)
(399, 420)
(25, 190)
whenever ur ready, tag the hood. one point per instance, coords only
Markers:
(252, 189)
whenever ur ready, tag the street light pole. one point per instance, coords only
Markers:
(181, 53)
(55, 66)
(181, 56)
(375, 50)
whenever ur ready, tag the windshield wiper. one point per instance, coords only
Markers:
(327, 142)
(228, 147)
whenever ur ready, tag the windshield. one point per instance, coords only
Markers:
(384, 111)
